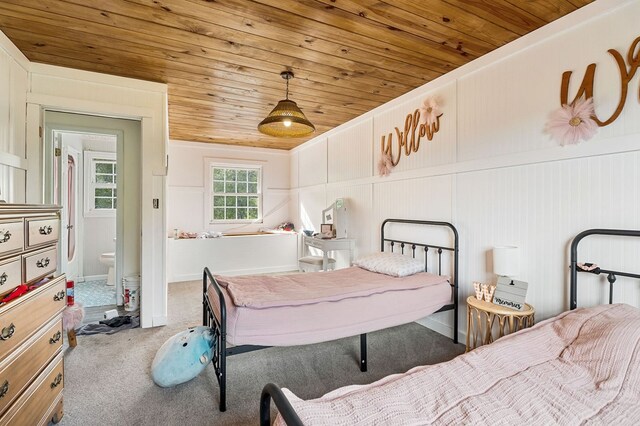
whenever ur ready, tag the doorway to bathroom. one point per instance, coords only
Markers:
(87, 160)
(86, 167)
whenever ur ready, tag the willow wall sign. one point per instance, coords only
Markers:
(627, 68)
(423, 122)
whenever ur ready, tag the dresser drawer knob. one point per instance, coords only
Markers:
(46, 230)
(3, 278)
(59, 296)
(56, 381)
(56, 338)
(4, 389)
(43, 263)
(6, 237)
(7, 332)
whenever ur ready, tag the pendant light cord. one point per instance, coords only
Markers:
(287, 93)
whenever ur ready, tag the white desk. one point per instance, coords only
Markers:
(327, 245)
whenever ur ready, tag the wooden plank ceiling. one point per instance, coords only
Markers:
(222, 59)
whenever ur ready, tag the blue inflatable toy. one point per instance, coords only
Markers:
(183, 357)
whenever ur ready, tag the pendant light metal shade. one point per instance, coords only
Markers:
(286, 120)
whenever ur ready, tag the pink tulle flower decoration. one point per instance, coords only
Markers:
(430, 110)
(385, 165)
(571, 124)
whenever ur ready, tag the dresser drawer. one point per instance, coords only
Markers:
(28, 313)
(11, 237)
(35, 402)
(10, 274)
(42, 231)
(25, 364)
(40, 264)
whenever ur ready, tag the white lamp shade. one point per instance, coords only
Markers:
(506, 261)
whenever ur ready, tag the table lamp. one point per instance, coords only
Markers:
(506, 262)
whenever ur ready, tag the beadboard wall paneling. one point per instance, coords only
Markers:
(540, 208)
(312, 164)
(360, 204)
(293, 170)
(501, 180)
(12, 184)
(13, 97)
(350, 153)
(491, 124)
(311, 203)
(440, 150)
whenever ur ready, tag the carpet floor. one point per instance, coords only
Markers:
(107, 377)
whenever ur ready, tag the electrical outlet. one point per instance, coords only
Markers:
(156, 203)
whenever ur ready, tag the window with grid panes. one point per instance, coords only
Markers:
(235, 193)
(104, 187)
(101, 196)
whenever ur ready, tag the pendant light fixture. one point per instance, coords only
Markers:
(286, 120)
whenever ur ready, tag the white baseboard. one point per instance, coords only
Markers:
(267, 270)
(92, 278)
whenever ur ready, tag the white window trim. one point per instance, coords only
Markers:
(208, 193)
(89, 203)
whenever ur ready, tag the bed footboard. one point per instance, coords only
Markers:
(273, 391)
(219, 329)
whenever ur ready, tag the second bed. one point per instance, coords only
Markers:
(260, 311)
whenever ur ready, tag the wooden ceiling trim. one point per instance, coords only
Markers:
(245, 64)
(452, 16)
(244, 111)
(170, 25)
(285, 39)
(221, 59)
(502, 13)
(420, 26)
(340, 19)
(302, 100)
(282, 19)
(545, 10)
(147, 64)
(312, 106)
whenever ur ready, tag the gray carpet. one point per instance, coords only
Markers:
(107, 377)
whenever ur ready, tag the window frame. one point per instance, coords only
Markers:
(209, 192)
(90, 184)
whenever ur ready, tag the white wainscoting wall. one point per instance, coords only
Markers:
(187, 186)
(13, 102)
(493, 171)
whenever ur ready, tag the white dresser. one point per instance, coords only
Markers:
(31, 358)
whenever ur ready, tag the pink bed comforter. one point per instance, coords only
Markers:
(266, 291)
(581, 367)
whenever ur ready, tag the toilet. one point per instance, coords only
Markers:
(109, 259)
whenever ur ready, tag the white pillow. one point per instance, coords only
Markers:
(394, 264)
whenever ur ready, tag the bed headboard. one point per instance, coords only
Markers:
(611, 275)
(427, 248)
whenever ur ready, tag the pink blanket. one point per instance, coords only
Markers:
(265, 291)
(581, 367)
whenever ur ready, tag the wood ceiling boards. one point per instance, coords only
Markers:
(222, 59)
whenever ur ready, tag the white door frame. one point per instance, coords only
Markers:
(153, 308)
(50, 128)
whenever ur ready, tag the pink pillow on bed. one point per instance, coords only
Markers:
(394, 264)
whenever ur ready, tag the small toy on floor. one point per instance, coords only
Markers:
(72, 317)
(183, 357)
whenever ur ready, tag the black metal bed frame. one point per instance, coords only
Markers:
(291, 417)
(219, 324)
(611, 275)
